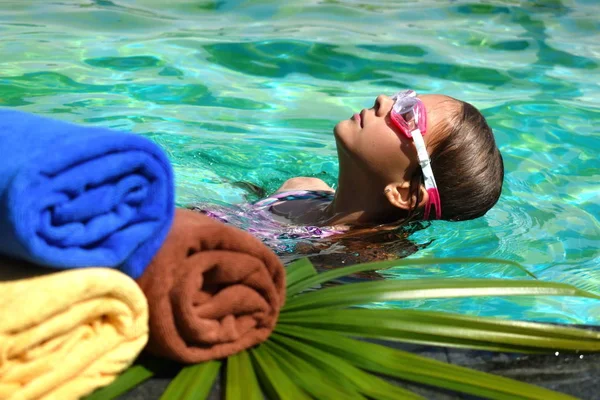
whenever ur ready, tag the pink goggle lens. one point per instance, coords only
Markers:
(408, 113)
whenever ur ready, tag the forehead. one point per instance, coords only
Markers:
(440, 109)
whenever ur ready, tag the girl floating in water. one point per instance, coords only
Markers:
(408, 158)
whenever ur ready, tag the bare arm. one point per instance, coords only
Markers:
(304, 183)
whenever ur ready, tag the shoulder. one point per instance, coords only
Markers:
(305, 183)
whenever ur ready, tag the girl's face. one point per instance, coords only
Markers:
(370, 141)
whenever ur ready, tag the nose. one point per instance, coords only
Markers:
(383, 105)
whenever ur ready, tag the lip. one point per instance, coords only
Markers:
(362, 117)
(358, 118)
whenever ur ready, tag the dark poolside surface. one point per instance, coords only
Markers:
(577, 375)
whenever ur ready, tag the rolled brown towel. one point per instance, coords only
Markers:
(213, 290)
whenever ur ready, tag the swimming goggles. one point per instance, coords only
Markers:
(409, 115)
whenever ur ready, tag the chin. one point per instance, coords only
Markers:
(344, 131)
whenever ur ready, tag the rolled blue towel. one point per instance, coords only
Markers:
(78, 196)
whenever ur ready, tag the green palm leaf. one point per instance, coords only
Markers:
(242, 383)
(299, 271)
(451, 330)
(129, 379)
(342, 371)
(400, 364)
(276, 383)
(382, 291)
(310, 354)
(297, 286)
(193, 382)
(309, 377)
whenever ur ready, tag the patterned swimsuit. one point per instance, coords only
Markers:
(260, 220)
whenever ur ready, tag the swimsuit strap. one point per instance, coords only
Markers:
(292, 195)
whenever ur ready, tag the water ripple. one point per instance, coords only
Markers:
(250, 90)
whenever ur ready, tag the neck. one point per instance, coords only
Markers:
(359, 200)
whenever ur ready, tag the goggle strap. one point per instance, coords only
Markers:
(428, 177)
(434, 199)
(430, 184)
(420, 145)
(423, 159)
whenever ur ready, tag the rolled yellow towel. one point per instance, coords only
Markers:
(65, 334)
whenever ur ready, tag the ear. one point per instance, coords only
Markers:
(398, 194)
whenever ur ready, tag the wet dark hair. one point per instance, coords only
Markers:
(467, 166)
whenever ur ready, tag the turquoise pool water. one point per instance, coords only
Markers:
(250, 91)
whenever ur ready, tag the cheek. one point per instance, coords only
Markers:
(376, 148)
(380, 149)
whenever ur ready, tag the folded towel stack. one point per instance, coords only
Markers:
(213, 290)
(78, 196)
(66, 333)
(73, 197)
